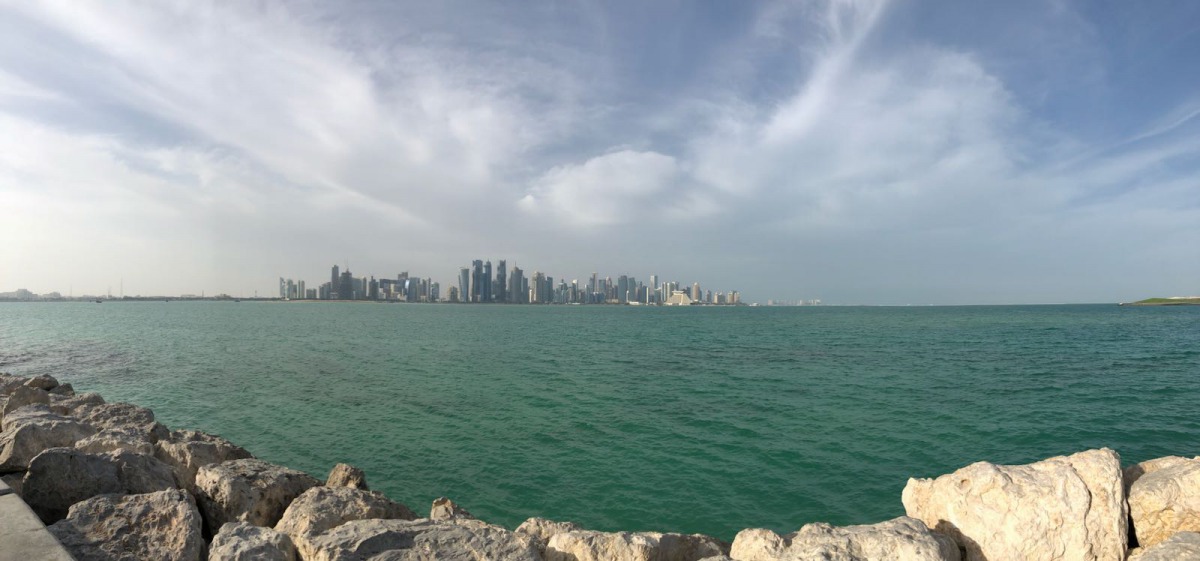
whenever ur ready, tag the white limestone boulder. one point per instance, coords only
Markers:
(1165, 500)
(446, 509)
(1063, 508)
(44, 382)
(321, 509)
(61, 477)
(1179, 547)
(422, 540)
(24, 396)
(239, 541)
(8, 383)
(899, 539)
(187, 451)
(586, 545)
(163, 526)
(32, 430)
(124, 416)
(112, 440)
(541, 530)
(65, 405)
(346, 475)
(248, 490)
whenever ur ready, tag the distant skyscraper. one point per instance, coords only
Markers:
(485, 295)
(476, 291)
(501, 294)
(464, 283)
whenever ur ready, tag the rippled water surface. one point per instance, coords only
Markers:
(695, 419)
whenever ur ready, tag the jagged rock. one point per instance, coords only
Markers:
(718, 558)
(446, 509)
(899, 539)
(32, 430)
(8, 383)
(64, 405)
(239, 541)
(111, 440)
(248, 490)
(346, 475)
(122, 416)
(161, 526)
(1062, 508)
(1136, 471)
(187, 451)
(1179, 547)
(541, 530)
(421, 540)
(24, 396)
(586, 545)
(320, 509)
(1165, 500)
(43, 382)
(61, 477)
(66, 390)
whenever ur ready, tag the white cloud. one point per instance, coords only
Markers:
(606, 190)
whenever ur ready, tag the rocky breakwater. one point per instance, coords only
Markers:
(112, 483)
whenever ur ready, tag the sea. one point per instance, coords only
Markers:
(692, 419)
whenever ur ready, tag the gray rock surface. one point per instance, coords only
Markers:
(1165, 500)
(8, 383)
(1179, 547)
(248, 490)
(899, 539)
(44, 382)
(65, 390)
(346, 475)
(321, 509)
(31, 430)
(239, 541)
(422, 540)
(61, 477)
(586, 545)
(160, 526)
(122, 416)
(23, 396)
(187, 451)
(111, 440)
(65, 405)
(446, 509)
(1063, 508)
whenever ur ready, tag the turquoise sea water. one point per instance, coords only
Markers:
(684, 419)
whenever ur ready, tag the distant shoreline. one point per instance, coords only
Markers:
(1173, 301)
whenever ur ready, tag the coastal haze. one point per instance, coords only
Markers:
(848, 151)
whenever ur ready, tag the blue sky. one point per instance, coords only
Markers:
(853, 151)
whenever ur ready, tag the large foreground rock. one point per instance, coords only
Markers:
(248, 490)
(1062, 508)
(320, 509)
(239, 541)
(61, 477)
(422, 540)
(122, 416)
(32, 430)
(161, 526)
(66, 405)
(900, 539)
(585, 545)
(187, 451)
(1165, 499)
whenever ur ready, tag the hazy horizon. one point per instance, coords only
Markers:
(855, 151)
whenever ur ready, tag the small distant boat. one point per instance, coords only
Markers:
(99, 301)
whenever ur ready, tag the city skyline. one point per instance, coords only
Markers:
(856, 151)
(477, 285)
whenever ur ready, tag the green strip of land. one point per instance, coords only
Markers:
(1168, 302)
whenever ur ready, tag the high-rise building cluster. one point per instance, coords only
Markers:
(479, 284)
(343, 285)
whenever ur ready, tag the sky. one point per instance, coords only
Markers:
(855, 151)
